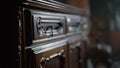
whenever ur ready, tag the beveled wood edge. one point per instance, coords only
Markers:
(55, 6)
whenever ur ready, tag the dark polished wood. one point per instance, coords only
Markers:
(74, 53)
(54, 58)
(61, 50)
(54, 6)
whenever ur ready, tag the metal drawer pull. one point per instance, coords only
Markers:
(44, 60)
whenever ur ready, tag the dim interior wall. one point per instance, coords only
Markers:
(115, 41)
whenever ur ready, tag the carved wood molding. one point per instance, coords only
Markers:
(54, 6)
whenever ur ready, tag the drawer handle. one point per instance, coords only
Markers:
(44, 60)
